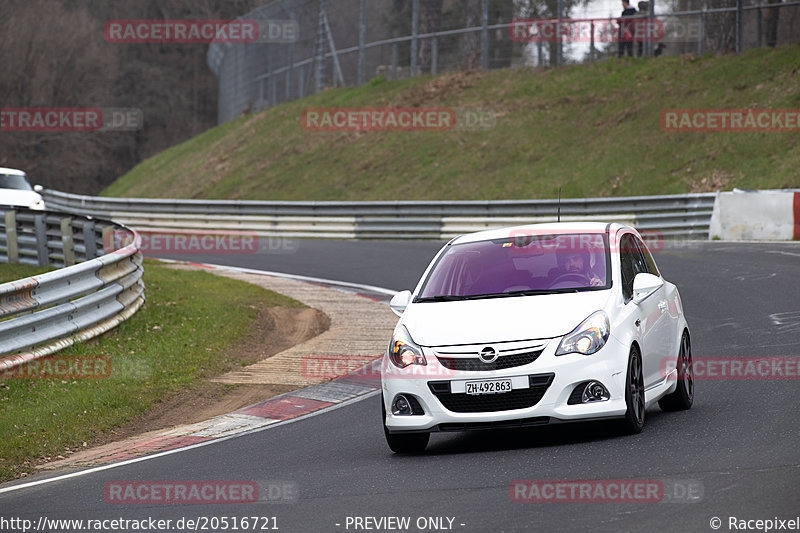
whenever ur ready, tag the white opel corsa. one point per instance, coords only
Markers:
(534, 325)
(16, 191)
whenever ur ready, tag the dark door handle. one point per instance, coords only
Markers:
(638, 322)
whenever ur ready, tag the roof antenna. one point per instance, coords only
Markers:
(559, 204)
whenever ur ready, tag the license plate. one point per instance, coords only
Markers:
(497, 386)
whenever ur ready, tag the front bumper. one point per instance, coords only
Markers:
(608, 366)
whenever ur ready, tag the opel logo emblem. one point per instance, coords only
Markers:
(488, 355)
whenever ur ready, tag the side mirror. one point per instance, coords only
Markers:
(400, 301)
(644, 285)
(38, 188)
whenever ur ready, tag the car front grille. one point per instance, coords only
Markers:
(498, 424)
(490, 403)
(475, 364)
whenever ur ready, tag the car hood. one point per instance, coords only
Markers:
(20, 198)
(500, 319)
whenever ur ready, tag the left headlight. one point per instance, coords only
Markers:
(588, 337)
(403, 351)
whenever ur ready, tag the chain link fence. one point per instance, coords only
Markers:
(305, 46)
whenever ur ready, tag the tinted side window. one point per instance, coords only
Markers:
(639, 264)
(627, 253)
(648, 259)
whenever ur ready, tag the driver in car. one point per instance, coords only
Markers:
(573, 262)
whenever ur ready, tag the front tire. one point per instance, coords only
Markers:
(403, 442)
(634, 395)
(683, 397)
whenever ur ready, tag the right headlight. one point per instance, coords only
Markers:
(588, 337)
(403, 351)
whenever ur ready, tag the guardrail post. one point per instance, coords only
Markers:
(89, 239)
(108, 239)
(67, 243)
(11, 237)
(40, 228)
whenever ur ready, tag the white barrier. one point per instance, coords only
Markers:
(757, 215)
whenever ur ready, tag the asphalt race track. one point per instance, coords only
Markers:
(740, 443)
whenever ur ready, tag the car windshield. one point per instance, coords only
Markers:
(13, 181)
(519, 265)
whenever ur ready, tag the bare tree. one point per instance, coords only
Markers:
(430, 21)
(772, 19)
(54, 55)
(471, 42)
(720, 30)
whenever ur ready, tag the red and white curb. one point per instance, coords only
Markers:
(288, 406)
(273, 412)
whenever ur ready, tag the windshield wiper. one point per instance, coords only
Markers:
(453, 298)
(532, 292)
(525, 292)
(441, 298)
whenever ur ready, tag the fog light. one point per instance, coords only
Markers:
(400, 406)
(594, 392)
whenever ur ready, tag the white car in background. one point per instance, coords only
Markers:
(16, 191)
(534, 325)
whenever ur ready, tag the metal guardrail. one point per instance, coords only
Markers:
(97, 288)
(673, 216)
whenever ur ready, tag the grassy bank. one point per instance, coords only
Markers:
(595, 130)
(179, 337)
(15, 272)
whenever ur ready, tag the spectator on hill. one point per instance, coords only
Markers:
(625, 43)
(644, 13)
